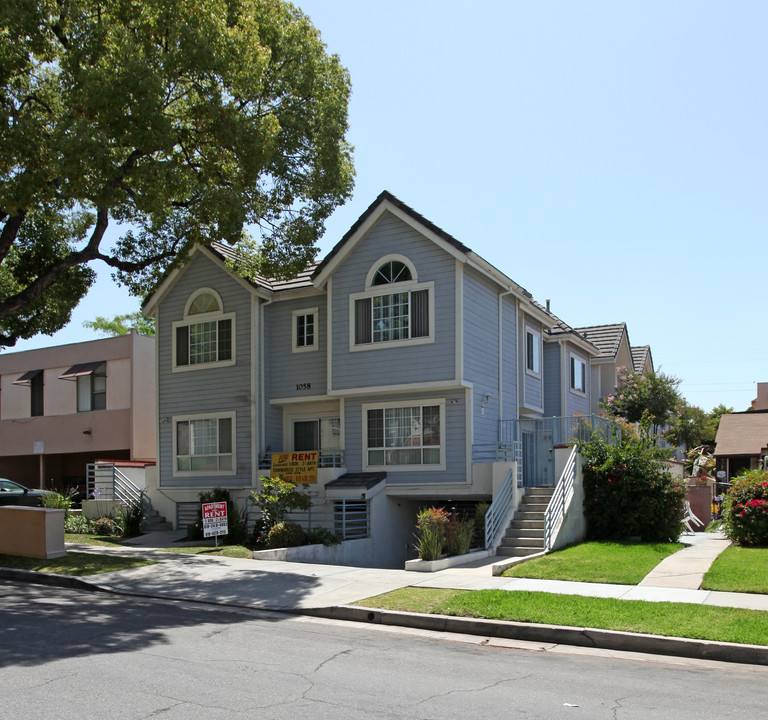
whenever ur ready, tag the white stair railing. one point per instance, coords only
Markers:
(560, 501)
(498, 513)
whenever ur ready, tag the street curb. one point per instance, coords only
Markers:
(551, 634)
(555, 634)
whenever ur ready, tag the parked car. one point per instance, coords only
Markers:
(12, 493)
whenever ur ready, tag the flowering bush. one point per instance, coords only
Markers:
(430, 532)
(629, 492)
(745, 509)
(639, 396)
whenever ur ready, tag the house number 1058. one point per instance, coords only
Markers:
(303, 386)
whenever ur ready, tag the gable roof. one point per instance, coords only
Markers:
(640, 356)
(742, 434)
(388, 202)
(607, 338)
(386, 196)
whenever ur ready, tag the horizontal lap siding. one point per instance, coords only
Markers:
(481, 354)
(380, 365)
(287, 368)
(552, 380)
(577, 403)
(205, 390)
(455, 437)
(509, 358)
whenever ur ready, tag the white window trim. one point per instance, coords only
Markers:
(378, 290)
(537, 335)
(403, 468)
(295, 347)
(204, 473)
(196, 294)
(577, 358)
(194, 320)
(387, 259)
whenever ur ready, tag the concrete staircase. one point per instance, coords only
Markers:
(156, 522)
(525, 535)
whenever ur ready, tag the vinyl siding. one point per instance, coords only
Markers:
(576, 403)
(381, 365)
(455, 437)
(205, 390)
(509, 358)
(287, 368)
(553, 382)
(481, 354)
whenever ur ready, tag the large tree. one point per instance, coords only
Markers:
(639, 395)
(181, 121)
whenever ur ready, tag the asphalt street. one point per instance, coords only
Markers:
(81, 655)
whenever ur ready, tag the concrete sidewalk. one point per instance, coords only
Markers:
(273, 585)
(328, 591)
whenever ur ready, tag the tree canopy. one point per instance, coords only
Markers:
(648, 395)
(180, 121)
(122, 324)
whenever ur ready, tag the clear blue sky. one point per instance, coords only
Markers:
(610, 157)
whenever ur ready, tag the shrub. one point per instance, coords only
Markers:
(236, 521)
(322, 535)
(78, 524)
(106, 526)
(131, 517)
(430, 532)
(481, 509)
(279, 497)
(745, 509)
(285, 534)
(458, 536)
(58, 501)
(629, 492)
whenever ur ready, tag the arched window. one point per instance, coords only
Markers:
(395, 307)
(206, 335)
(392, 272)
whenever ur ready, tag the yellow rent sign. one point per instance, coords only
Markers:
(296, 467)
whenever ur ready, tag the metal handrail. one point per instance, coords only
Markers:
(560, 500)
(498, 512)
(118, 487)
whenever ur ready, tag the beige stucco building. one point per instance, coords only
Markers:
(64, 407)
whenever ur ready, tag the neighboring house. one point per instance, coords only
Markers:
(64, 407)
(409, 362)
(615, 353)
(741, 443)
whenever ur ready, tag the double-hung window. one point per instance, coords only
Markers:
(205, 337)
(405, 435)
(578, 374)
(533, 351)
(204, 445)
(304, 330)
(395, 308)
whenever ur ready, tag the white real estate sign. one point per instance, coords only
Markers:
(214, 519)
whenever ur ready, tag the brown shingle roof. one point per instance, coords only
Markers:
(607, 338)
(640, 355)
(742, 434)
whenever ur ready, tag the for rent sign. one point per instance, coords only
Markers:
(215, 519)
(296, 467)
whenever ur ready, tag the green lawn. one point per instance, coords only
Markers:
(74, 563)
(703, 622)
(235, 551)
(739, 569)
(599, 562)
